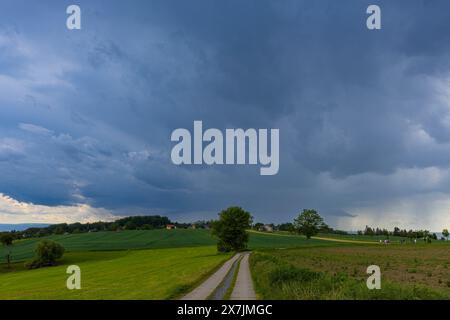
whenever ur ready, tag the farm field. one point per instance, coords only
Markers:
(347, 237)
(164, 264)
(142, 274)
(410, 271)
(357, 237)
(149, 239)
(124, 240)
(154, 264)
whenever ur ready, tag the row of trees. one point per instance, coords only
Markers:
(129, 223)
(47, 252)
(411, 234)
(292, 228)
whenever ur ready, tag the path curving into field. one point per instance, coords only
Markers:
(243, 289)
(315, 238)
(204, 290)
(345, 240)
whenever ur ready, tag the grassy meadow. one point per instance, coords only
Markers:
(408, 271)
(117, 241)
(149, 239)
(356, 237)
(153, 264)
(164, 264)
(142, 274)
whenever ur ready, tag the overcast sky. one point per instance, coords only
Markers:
(364, 116)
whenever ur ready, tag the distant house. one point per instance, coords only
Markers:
(171, 226)
(266, 228)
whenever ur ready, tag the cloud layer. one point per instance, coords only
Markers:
(364, 116)
(21, 212)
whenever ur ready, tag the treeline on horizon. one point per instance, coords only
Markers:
(128, 223)
(289, 227)
(368, 231)
(397, 232)
(141, 223)
(160, 222)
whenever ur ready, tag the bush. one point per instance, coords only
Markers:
(33, 264)
(47, 253)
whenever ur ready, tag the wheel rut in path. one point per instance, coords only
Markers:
(206, 289)
(243, 289)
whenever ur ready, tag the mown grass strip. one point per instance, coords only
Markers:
(137, 275)
(233, 282)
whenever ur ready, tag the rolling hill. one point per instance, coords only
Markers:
(150, 239)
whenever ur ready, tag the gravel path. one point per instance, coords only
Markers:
(203, 291)
(243, 289)
(222, 289)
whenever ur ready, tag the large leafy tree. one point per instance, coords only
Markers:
(445, 233)
(231, 229)
(308, 223)
(7, 240)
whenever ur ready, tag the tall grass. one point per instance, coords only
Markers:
(277, 279)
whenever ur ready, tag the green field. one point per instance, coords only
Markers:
(149, 239)
(115, 241)
(143, 274)
(408, 271)
(164, 264)
(155, 264)
(356, 237)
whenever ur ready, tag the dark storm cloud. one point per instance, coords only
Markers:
(363, 115)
